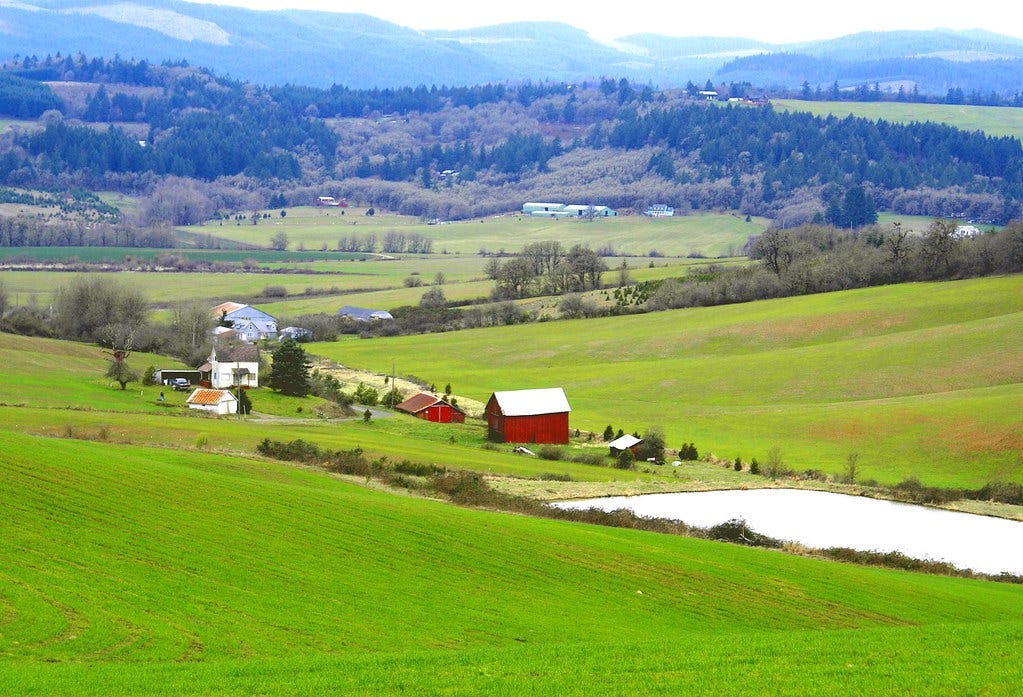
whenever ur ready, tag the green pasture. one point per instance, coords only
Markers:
(995, 121)
(146, 570)
(919, 379)
(165, 289)
(57, 389)
(369, 283)
(116, 255)
(711, 234)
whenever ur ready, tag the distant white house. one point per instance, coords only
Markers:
(251, 323)
(213, 401)
(659, 210)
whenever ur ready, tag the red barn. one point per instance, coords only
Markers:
(426, 406)
(528, 416)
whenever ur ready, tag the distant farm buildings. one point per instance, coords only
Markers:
(431, 408)
(330, 201)
(659, 210)
(363, 314)
(528, 416)
(250, 324)
(561, 210)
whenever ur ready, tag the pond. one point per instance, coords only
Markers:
(821, 519)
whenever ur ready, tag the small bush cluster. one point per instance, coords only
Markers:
(554, 477)
(590, 458)
(688, 452)
(737, 531)
(418, 469)
(366, 395)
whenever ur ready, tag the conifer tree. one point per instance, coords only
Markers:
(289, 373)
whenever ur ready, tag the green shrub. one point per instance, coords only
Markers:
(625, 460)
(590, 458)
(366, 395)
(554, 477)
(549, 452)
(419, 469)
(688, 452)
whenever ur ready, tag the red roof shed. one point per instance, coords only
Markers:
(431, 408)
(528, 416)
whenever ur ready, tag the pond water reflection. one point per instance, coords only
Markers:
(822, 519)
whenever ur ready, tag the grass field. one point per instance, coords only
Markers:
(709, 234)
(146, 550)
(136, 570)
(919, 379)
(995, 121)
(371, 283)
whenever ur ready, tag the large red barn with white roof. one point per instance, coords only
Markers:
(528, 416)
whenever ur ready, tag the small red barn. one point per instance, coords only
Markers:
(431, 408)
(528, 416)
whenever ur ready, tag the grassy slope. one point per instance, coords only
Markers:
(920, 379)
(995, 121)
(134, 570)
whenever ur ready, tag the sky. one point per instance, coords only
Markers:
(781, 21)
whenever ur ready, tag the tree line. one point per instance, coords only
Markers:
(820, 259)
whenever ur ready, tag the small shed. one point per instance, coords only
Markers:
(214, 401)
(626, 442)
(528, 416)
(431, 408)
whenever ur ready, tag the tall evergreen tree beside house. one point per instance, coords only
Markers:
(289, 372)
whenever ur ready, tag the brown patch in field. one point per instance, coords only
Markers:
(971, 437)
(841, 430)
(865, 324)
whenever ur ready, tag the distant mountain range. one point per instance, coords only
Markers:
(320, 49)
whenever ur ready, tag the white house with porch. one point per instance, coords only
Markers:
(233, 363)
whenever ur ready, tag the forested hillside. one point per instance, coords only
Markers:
(199, 146)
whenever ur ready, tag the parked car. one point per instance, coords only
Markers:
(181, 384)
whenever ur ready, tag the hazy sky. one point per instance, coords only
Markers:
(779, 21)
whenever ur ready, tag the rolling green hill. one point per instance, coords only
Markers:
(135, 570)
(919, 379)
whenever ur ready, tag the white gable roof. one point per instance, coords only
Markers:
(550, 400)
(626, 441)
